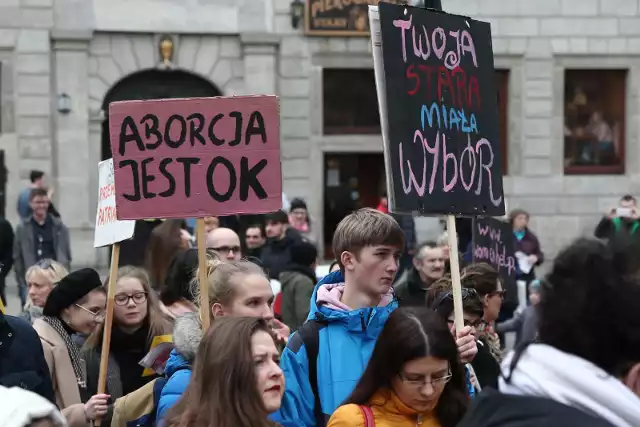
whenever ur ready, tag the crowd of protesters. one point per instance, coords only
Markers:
(371, 343)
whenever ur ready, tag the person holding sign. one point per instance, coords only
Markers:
(75, 305)
(137, 321)
(348, 312)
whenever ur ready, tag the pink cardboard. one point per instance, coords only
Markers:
(184, 158)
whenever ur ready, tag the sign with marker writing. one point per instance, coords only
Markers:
(181, 158)
(493, 243)
(109, 229)
(442, 140)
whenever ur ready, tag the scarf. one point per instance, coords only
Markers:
(72, 348)
(544, 371)
(486, 333)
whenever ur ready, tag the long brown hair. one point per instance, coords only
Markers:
(164, 243)
(159, 323)
(223, 390)
(409, 334)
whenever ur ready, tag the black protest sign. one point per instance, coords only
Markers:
(493, 243)
(441, 105)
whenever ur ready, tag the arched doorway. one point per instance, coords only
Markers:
(153, 84)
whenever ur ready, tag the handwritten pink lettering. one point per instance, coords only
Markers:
(423, 45)
(495, 255)
(439, 151)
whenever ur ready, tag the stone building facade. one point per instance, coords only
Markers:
(86, 49)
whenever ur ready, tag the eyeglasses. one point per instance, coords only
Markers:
(227, 249)
(137, 298)
(473, 324)
(97, 314)
(437, 381)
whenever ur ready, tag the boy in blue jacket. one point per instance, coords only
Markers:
(352, 306)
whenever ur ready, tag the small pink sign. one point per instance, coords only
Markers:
(182, 158)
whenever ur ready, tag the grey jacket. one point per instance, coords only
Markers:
(24, 249)
(524, 324)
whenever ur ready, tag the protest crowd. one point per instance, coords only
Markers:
(215, 312)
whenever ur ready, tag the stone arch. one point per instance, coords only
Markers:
(154, 83)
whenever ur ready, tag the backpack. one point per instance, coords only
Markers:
(310, 334)
(138, 408)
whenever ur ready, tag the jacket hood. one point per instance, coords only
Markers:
(494, 409)
(326, 306)
(187, 334)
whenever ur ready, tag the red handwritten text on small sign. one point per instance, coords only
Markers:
(178, 158)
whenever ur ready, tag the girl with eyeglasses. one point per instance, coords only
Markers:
(75, 306)
(414, 377)
(137, 320)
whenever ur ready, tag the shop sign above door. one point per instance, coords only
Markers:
(339, 17)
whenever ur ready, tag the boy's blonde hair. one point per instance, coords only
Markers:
(365, 227)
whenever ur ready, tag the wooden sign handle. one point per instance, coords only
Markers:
(108, 322)
(205, 310)
(454, 261)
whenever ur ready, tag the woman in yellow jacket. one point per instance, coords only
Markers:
(414, 377)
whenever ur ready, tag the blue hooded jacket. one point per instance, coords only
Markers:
(187, 333)
(345, 347)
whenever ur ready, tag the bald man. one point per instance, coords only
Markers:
(225, 243)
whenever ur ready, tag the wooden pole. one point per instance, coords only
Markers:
(108, 322)
(454, 260)
(201, 239)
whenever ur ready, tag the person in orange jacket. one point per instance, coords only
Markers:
(414, 377)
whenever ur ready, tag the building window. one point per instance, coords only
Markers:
(502, 87)
(350, 102)
(594, 121)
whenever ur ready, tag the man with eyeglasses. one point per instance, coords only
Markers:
(225, 243)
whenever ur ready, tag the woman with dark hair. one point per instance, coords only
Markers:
(526, 243)
(165, 242)
(472, 312)
(414, 377)
(584, 370)
(175, 291)
(485, 280)
(237, 380)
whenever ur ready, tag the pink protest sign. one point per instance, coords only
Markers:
(181, 158)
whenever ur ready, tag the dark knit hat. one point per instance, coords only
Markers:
(71, 288)
(297, 204)
(303, 253)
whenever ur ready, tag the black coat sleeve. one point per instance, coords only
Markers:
(6, 247)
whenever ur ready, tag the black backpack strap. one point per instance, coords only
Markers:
(309, 332)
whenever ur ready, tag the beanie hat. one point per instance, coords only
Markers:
(303, 253)
(70, 289)
(297, 204)
(22, 407)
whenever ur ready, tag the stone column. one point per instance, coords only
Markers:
(72, 150)
(260, 73)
